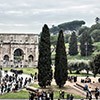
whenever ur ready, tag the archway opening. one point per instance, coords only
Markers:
(18, 55)
(6, 58)
(30, 58)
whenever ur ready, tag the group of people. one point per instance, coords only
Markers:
(86, 80)
(49, 95)
(62, 96)
(13, 83)
(72, 78)
(43, 95)
(89, 93)
(97, 93)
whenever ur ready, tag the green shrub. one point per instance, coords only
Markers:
(78, 65)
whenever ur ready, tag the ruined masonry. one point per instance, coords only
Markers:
(18, 50)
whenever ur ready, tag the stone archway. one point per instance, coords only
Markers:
(6, 58)
(30, 58)
(18, 55)
(6, 61)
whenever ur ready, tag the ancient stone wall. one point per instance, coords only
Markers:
(18, 50)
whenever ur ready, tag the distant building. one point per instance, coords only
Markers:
(18, 50)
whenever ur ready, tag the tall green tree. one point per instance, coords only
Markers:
(60, 73)
(86, 47)
(94, 27)
(82, 29)
(95, 65)
(73, 47)
(97, 20)
(44, 61)
(96, 35)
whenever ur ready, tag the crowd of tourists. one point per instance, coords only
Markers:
(89, 93)
(86, 80)
(13, 82)
(49, 95)
(43, 95)
(63, 96)
(72, 78)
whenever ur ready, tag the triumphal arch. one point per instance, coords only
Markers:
(18, 50)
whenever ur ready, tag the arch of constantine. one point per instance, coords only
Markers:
(18, 50)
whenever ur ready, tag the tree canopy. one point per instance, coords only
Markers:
(93, 27)
(82, 29)
(73, 25)
(96, 35)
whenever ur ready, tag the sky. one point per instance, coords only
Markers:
(29, 16)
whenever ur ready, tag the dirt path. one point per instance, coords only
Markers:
(74, 90)
(71, 89)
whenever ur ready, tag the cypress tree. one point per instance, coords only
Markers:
(60, 73)
(86, 47)
(82, 45)
(73, 47)
(44, 61)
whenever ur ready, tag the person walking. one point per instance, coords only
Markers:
(87, 95)
(96, 93)
(0, 74)
(90, 95)
(51, 95)
(71, 97)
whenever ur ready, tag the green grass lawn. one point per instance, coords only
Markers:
(56, 95)
(34, 85)
(33, 70)
(23, 94)
(81, 74)
(25, 70)
(79, 57)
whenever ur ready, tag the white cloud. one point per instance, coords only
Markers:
(3, 5)
(30, 15)
(13, 12)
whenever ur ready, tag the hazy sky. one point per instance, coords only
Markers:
(31, 15)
